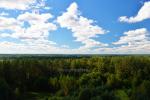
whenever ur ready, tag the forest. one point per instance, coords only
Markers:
(75, 78)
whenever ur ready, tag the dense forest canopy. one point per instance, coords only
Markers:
(75, 78)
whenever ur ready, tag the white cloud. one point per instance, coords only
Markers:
(23, 4)
(24, 48)
(144, 13)
(47, 8)
(4, 14)
(134, 37)
(39, 26)
(82, 28)
(35, 48)
(16, 4)
(134, 41)
(9, 23)
(36, 33)
(33, 18)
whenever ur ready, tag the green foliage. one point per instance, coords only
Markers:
(85, 94)
(75, 78)
(121, 95)
(5, 92)
(66, 84)
(92, 79)
(142, 92)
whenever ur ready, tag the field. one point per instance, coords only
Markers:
(74, 77)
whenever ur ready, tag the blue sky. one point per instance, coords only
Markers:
(75, 26)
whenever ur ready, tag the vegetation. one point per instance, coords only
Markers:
(75, 78)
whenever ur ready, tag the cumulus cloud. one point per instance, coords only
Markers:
(4, 14)
(35, 31)
(22, 4)
(134, 37)
(134, 41)
(9, 23)
(33, 18)
(16, 4)
(83, 28)
(143, 13)
(39, 26)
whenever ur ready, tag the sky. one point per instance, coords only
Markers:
(74, 27)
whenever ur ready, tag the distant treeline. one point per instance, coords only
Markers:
(41, 56)
(75, 78)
